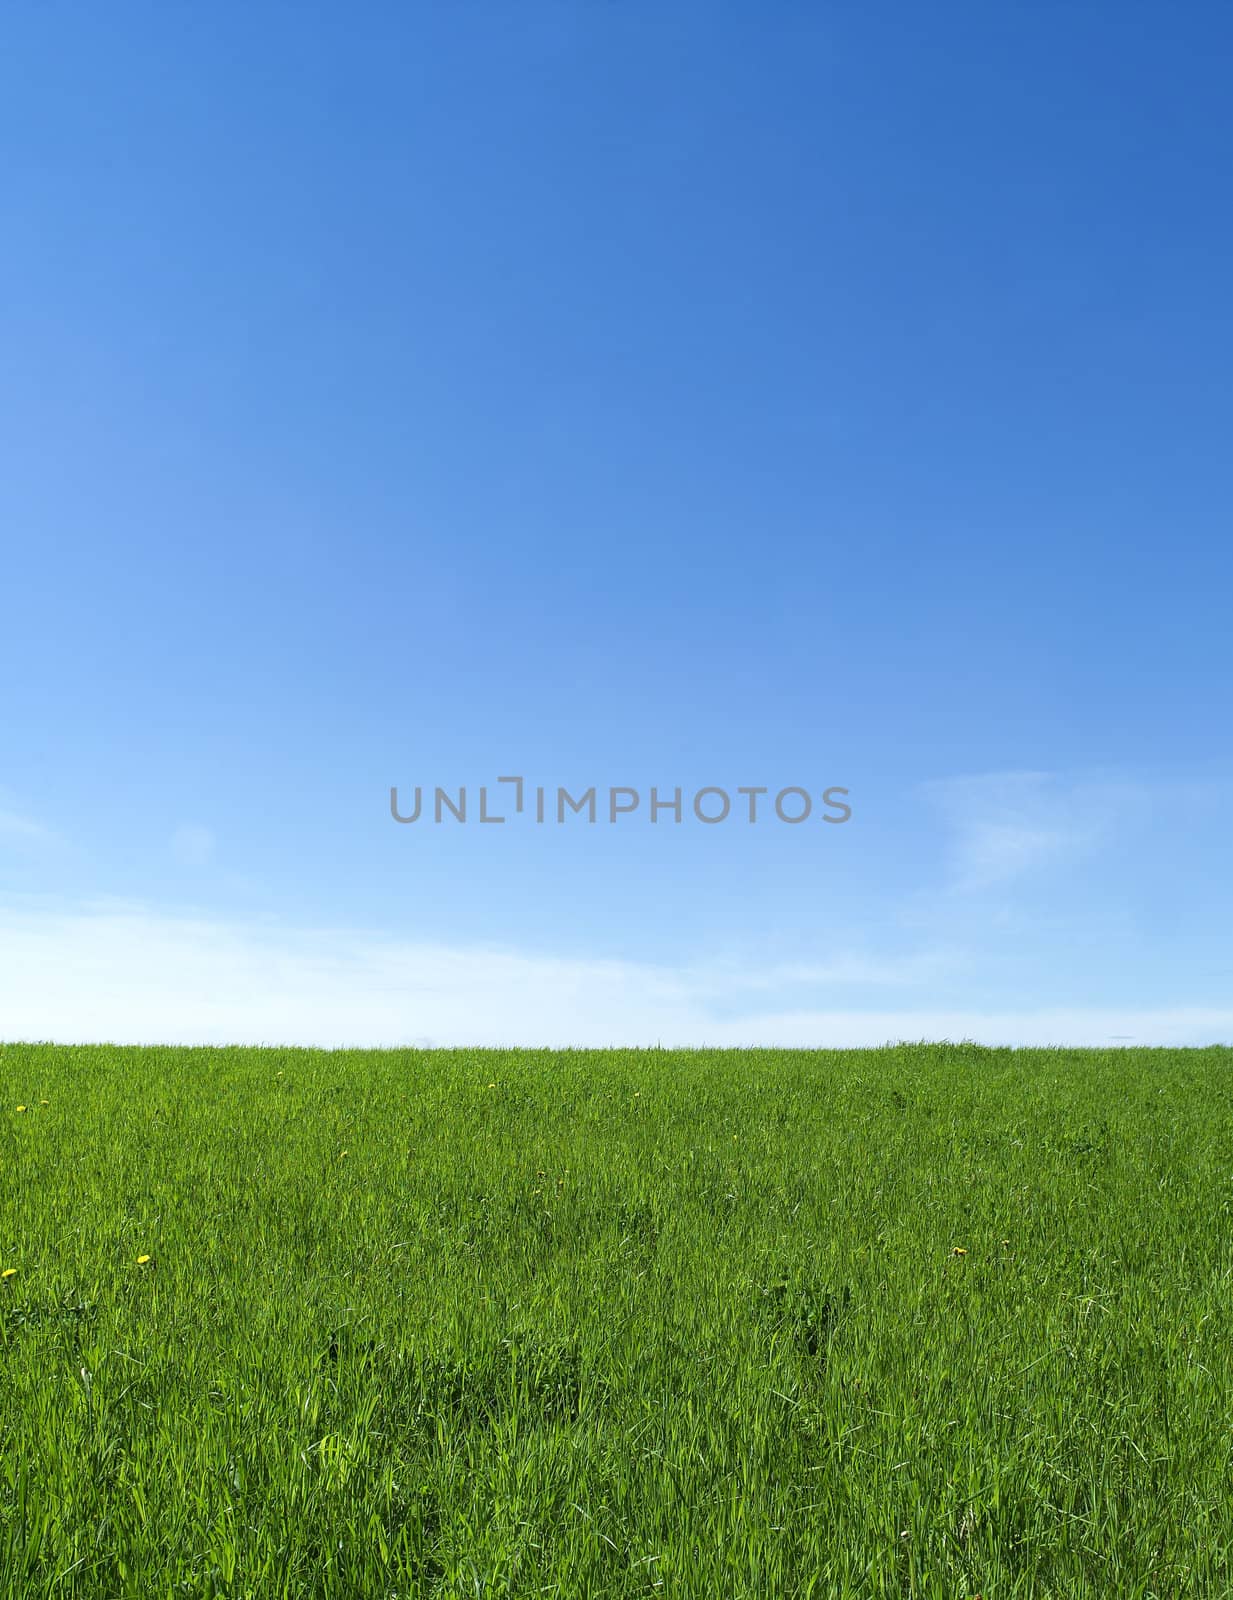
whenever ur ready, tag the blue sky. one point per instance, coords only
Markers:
(616, 395)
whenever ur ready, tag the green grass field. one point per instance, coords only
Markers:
(929, 1321)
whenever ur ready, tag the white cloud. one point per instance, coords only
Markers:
(126, 973)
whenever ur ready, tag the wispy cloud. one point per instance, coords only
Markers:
(24, 830)
(130, 974)
(843, 971)
(1006, 826)
(192, 845)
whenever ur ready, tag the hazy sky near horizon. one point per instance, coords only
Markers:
(632, 395)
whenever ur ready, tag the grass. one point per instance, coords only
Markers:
(591, 1324)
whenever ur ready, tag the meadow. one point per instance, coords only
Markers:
(925, 1321)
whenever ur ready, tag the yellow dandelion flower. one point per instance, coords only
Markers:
(143, 1261)
(492, 1085)
(9, 1272)
(958, 1251)
(21, 1108)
